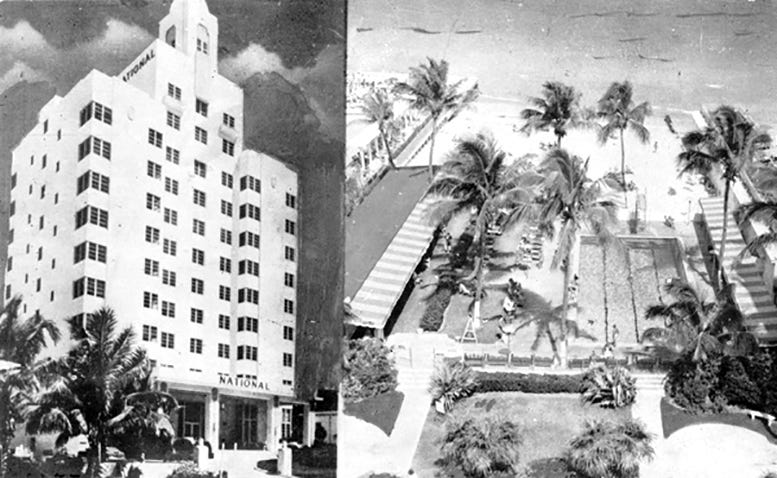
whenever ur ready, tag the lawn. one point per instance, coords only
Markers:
(548, 422)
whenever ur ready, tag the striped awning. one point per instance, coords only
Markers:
(375, 300)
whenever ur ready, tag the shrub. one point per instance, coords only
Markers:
(694, 386)
(434, 314)
(481, 446)
(452, 382)
(459, 255)
(736, 385)
(608, 387)
(609, 450)
(368, 369)
(528, 383)
(190, 470)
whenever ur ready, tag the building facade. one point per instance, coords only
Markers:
(134, 192)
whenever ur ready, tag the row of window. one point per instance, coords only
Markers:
(95, 145)
(88, 286)
(94, 180)
(92, 110)
(90, 250)
(244, 352)
(92, 215)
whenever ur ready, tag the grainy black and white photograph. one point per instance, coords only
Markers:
(560, 239)
(171, 186)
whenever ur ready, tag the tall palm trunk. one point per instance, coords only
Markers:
(726, 190)
(431, 148)
(481, 264)
(604, 290)
(623, 170)
(562, 340)
(388, 146)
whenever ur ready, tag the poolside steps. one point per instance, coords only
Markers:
(649, 381)
(751, 294)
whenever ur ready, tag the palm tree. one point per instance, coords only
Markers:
(21, 341)
(481, 445)
(759, 210)
(618, 111)
(430, 91)
(691, 323)
(378, 108)
(576, 201)
(102, 363)
(729, 141)
(610, 450)
(476, 179)
(557, 110)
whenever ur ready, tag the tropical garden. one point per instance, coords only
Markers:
(99, 389)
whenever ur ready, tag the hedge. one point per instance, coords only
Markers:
(434, 314)
(528, 383)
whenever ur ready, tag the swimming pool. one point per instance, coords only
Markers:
(625, 281)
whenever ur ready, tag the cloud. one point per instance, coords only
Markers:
(25, 50)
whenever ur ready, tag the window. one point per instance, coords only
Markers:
(170, 36)
(59, 136)
(42, 191)
(288, 253)
(153, 170)
(94, 145)
(228, 147)
(168, 309)
(173, 120)
(226, 179)
(198, 286)
(10, 264)
(92, 215)
(288, 333)
(10, 236)
(250, 182)
(12, 208)
(225, 264)
(200, 135)
(202, 45)
(90, 250)
(169, 247)
(198, 227)
(288, 306)
(223, 351)
(248, 295)
(40, 253)
(171, 216)
(151, 267)
(247, 266)
(152, 235)
(97, 111)
(43, 163)
(173, 91)
(201, 107)
(249, 210)
(93, 180)
(226, 208)
(288, 360)
(168, 340)
(171, 186)
(247, 352)
(291, 201)
(37, 285)
(200, 169)
(45, 126)
(154, 138)
(150, 300)
(172, 155)
(228, 120)
(225, 293)
(290, 227)
(288, 279)
(13, 180)
(223, 321)
(196, 315)
(199, 198)
(153, 202)
(248, 324)
(225, 236)
(90, 286)
(168, 277)
(248, 239)
(56, 196)
(195, 346)
(40, 222)
(149, 333)
(198, 256)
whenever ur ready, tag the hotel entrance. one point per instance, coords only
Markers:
(243, 423)
(190, 421)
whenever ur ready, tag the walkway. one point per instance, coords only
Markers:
(375, 299)
(754, 299)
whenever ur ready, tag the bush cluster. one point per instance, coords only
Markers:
(451, 382)
(528, 383)
(708, 386)
(609, 387)
(190, 470)
(369, 369)
(434, 314)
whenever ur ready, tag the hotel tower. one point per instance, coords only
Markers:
(134, 192)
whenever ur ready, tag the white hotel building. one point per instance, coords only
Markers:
(134, 192)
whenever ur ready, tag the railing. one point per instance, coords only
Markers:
(649, 364)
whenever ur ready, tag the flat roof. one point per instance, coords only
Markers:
(373, 224)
